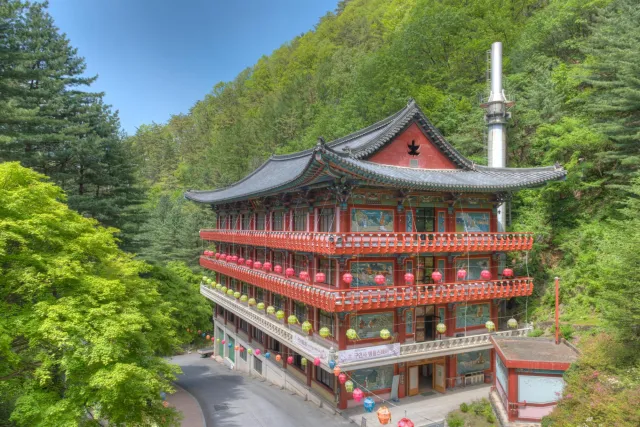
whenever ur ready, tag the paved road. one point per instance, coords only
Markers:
(230, 399)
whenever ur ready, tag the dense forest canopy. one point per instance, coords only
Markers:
(571, 65)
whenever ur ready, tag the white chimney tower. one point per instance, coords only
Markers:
(496, 117)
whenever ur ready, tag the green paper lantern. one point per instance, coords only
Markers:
(249, 351)
(348, 386)
(303, 362)
(385, 334)
(218, 286)
(236, 294)
(218, 340)
(292, 320)
(260, 306)
(252, 301)
(271, 310)
(204, 278)
(230, 292)
(209, 281)
(244, 298)
(352, 334)
(441, 328)
(280, 314)
(306, 326)
(324, 332)
(223, 289)
(512, 323)
(490, 325)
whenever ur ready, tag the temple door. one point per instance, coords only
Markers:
(439, 376)
(414, 380)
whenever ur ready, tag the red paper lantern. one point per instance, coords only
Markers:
(347, 278)
(405, 422)
(223, 257)
(290, 360)
(289, 272)
(507, 272)
(436, 276)
(462, 273)
(240, 261)
(267, 266)
(248, 263)
(277, 269)
(304, 275)
(320, 277)
(234, 259)
(342, 378)
(358, 395)
(485, 274)
(217, 255)
(257, 265)
(380, 279)
(408, 278)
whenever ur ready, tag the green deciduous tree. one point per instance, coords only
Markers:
(81, 333)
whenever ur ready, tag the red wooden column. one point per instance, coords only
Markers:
(400, 325)
(513, 393)
(452, 370)
(402, 370)
(309, 369)
(342, 331)
(342, 403)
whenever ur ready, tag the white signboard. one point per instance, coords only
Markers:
(316, 350)
(369, 353)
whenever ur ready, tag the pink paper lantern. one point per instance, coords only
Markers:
(258, 352)
(436, 276)
(462, 273)
(223, 341)
(405, 422)
(290, 360)
(380, 279)
(320, 277)
(217, 255)
(358, 395)
(257, 265)
(289, 272)
(241, 261)
(408, 278)
(507, 272)
(234, 259)
(277, 269)
(342, 378)
(304, 275)
(347, 278)
(316, 361)
(248, 263)
(223, 257)
(485, 274)
(267, 266)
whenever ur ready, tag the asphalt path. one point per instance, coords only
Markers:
(231, 399)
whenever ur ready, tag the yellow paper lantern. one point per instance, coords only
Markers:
(280, 314)
(303, 362)
(218, 286)
(230, 292)
(244, 298)
(512, 323)
(236, 294)
(223, 289)
(441, 328)
(324, 332)
(271, 310)
(385, 334)
(490, 325)
(252, 301)
(348, 386)
(292, 320)
(352, 334)
(306, 326)
(260, 306)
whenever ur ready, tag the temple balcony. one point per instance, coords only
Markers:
(364, 298)
(312, 346)
(364, 243)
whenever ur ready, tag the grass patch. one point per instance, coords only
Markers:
(477, 414)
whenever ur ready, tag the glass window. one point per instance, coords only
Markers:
(324, 377)
(297, 361)
(259, 295)
(326, 220)
(257, 334)
(372, 379)
(257, 365)
(326, 320)
(260, 221)
(278, 221)
(474, 266)
(327, 267)
(278, 259)
(244, 326)
(243, 354)
(300, 310)
(300, 263)
(408, 321)
(261, 255)
(299, 220)
(234, 222)
(425, 220)
(471, 222)
(231, 318)
(442, 223)
(246, 221)
(245, 289)
(278, 302)
(370, 325)
(232, 351)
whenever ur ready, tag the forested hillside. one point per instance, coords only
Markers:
(573, 67)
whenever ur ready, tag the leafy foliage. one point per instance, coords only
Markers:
(81, 332)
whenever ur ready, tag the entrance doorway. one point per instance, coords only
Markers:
(426, 376)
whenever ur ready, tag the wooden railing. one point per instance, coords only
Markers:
(373, 242)
(335, 300)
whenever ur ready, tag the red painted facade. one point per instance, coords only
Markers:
(397, 154)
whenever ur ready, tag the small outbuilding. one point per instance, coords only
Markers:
(528, 382)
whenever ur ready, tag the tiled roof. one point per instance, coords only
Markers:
(280, 173)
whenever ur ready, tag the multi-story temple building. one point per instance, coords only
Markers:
(379, 252)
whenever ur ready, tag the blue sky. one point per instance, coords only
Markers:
(156, 58)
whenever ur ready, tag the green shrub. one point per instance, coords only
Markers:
(455, 420)
(491, 418)
(536, 333)
(464, 407)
